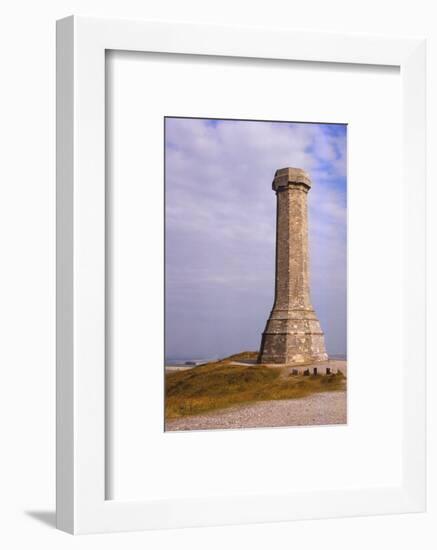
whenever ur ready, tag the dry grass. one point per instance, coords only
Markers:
(242, 356)
(220, 384)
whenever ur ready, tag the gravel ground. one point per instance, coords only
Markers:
(316, 409)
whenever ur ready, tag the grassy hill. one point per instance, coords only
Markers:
(220, 384)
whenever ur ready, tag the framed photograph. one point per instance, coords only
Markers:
(231, 250)
(240, 275)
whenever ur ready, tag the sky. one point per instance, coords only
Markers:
(220, 219)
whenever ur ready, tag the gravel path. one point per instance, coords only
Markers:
(316, 409)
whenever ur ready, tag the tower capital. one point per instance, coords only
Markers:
(286, 177)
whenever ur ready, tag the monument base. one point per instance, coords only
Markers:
(292, 337)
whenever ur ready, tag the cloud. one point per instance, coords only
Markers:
(220, 229)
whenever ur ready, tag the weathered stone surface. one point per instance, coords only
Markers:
(293, 333)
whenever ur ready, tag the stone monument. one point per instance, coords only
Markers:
(293, 333)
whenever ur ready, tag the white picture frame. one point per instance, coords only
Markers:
(81, 479)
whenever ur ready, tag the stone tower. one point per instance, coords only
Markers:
(292, 333)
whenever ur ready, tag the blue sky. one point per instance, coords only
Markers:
(220, 230)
